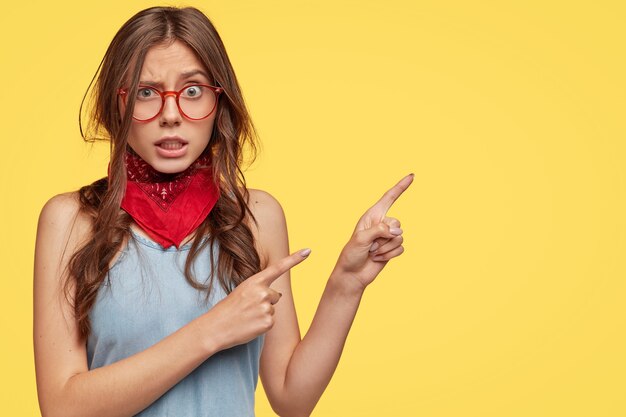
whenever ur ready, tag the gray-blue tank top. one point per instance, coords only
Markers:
(146, 298)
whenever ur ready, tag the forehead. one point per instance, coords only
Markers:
(170, 62)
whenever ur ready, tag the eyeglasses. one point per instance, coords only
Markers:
(194, 101)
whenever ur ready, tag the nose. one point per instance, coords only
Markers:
(170, 115)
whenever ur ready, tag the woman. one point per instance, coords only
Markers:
(157, 288)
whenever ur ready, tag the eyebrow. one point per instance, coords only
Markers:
(194, 72)
(184, 76)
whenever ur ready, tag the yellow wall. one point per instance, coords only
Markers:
(509, 298)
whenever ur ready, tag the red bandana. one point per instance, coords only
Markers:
(168, 207)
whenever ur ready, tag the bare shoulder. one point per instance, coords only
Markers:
(60, 206)
(62, 222)
(271, 228)
(263, 203)
(266, 209)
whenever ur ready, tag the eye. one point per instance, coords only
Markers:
(193, 91)
(145, 93)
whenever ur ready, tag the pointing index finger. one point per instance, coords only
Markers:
(275, 270)
(387, 200)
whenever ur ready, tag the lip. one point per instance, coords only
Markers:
(171, 153)
(170, 139)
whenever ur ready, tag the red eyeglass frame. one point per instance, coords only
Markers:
(217, 90)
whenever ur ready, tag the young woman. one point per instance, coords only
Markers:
(163, 289)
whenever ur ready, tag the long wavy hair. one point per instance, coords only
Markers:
(233, 129)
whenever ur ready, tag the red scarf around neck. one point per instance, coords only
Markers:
(168, 207)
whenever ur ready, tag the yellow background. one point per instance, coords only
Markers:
(509, 298)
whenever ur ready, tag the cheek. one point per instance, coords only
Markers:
(138, 133)
(209, 128)
(132, 133)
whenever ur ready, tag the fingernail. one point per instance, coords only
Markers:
(395, 231)
(305, 252)
(375, 246)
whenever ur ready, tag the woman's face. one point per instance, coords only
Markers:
(170, 143)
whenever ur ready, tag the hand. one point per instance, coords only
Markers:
(375, 240)
(248, 310)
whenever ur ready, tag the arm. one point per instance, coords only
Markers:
(65, 385)
(296, 372)
(316, 357)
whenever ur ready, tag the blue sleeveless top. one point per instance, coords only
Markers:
(145, 298)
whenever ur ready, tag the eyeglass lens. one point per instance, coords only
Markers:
(196, 102)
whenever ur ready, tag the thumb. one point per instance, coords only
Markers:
(364, 238)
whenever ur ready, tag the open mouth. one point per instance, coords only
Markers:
(171, 146)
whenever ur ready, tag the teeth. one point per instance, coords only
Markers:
(171, 145)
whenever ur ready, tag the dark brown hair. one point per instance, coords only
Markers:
(233, 129)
